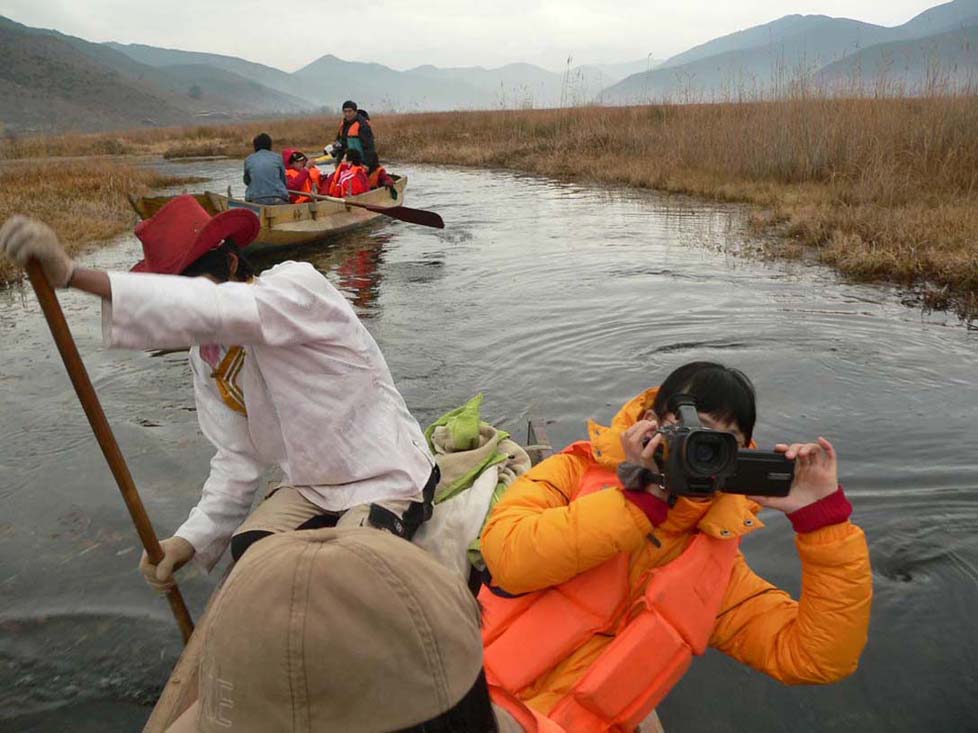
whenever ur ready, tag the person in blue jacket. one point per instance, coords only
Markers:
(264, 174)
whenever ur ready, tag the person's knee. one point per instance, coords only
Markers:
(241, 542)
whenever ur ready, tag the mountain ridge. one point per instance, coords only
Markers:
(797, 48)
(53, 81)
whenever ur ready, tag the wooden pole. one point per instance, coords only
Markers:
(103, 433)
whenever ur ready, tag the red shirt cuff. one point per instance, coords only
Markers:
(652, 506)
(832, 509)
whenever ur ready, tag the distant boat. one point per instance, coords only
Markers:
(289, 225)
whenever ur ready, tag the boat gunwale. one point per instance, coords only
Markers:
(280, 223)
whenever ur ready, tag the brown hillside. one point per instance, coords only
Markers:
(48, 84)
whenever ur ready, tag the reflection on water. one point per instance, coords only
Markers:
(352, 263)
(555, 300)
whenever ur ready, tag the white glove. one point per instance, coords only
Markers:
(23, 239)
(177, 552)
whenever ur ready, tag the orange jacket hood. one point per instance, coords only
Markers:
(723, 516)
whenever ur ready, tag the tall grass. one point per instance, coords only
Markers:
(85, 201)
(883, 188)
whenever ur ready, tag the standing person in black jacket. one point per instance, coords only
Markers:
(355, 133)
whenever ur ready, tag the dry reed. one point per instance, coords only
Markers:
(85, 201)
(882, 188)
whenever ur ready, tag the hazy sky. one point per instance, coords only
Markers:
(290, 33)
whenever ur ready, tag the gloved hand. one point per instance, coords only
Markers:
(393, 192)
(23, 238)
(177, 552)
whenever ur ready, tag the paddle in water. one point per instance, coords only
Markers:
(404, 213)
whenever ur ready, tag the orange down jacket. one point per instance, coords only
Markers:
(536, 537)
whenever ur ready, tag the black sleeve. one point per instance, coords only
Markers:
(367, 138)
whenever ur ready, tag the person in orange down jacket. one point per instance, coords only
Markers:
(349, 178)
(300, 173)
(603, 586)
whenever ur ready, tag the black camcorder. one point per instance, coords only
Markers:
(698, 461)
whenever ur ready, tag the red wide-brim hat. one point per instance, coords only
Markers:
(182, 232)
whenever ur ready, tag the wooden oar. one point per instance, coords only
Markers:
(414, 216)
(103, 433)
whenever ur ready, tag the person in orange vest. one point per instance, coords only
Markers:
(377, 176)
(349, 178)
(355, 133)
(300, 174)
(603, 586)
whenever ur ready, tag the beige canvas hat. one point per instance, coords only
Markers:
(344, 629)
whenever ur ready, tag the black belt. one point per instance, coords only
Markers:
(417, 514)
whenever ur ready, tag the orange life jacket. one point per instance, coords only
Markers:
(352, 139)
(314, 177)
(354, 130)
(348, 180)
(291, 174)
(529, 719)
(333, 188)
(375, 177)
(655, 638)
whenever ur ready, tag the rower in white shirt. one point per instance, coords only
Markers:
(285, 375)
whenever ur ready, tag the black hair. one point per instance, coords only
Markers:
(720, 391)
(354, 157)
(350, 104)
(262, 141)
(472, 714)
(217, 264)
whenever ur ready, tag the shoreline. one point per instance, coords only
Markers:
(775, 238)
(94, 210)
(873, 224)
(880, 190)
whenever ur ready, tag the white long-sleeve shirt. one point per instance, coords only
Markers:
(321, 402)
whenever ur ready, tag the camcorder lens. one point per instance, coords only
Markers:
(708, 454)
(705, 453)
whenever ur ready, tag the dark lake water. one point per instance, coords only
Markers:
(554, 300)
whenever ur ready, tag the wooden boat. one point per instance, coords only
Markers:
(289, 225)
(180, 691)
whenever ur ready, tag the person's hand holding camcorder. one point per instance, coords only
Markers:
(816, 475)
(640, 443)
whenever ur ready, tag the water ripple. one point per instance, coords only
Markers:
(562, 301)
